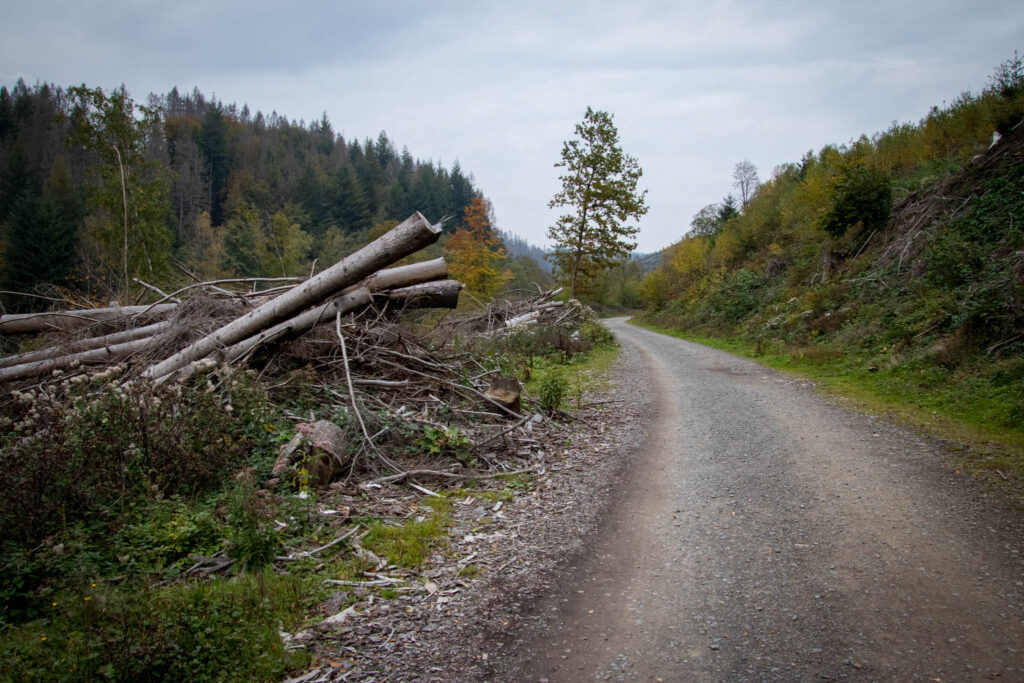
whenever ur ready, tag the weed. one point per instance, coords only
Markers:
(551, 390)
(447, 442)
(407, 545)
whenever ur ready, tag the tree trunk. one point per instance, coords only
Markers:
(22, 323)
(506, 391)
(107, 354)
(411, 235)
(300, 324)
(84, 345)
(444, 294)
(403, 276)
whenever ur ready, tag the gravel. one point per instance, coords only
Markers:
(517, 549)
(721, 522)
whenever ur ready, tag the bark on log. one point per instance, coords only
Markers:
(523, 319)
(84, 345)
(320, 447)
(403, 276)
(443, 294)
(533, 315)
(26, 323)
(300, 324)
(425, 295)
(410, 236)
(107, 354)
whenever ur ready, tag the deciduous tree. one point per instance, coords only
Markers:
(128, 195)
(475, 254)
(744, 179)
(600, 187)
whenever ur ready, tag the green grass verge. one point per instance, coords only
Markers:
(571, 380)
(408, 545)
(961, 406)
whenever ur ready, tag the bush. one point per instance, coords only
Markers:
(220, 630)
(101, 443)
(860, 194)
(551, 389)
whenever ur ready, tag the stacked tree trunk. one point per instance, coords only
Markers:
(353, 283)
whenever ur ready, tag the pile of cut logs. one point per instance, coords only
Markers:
(356, 282)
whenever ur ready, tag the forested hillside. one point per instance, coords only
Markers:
(96, 189)
(895, 262)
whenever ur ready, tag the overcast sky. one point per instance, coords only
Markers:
(694, 87)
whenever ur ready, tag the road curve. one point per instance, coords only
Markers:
(764, 533)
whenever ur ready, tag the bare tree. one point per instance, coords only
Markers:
(744, 179)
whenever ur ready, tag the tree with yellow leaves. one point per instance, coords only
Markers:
(475, 254)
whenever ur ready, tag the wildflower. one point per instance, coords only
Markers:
(87, 598)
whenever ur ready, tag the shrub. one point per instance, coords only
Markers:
(220, 630)
(102, 443)
(450, 442)
(551, 389)
(860, 194)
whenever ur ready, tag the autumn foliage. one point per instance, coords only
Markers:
(475, 253)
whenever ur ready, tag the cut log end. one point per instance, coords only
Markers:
(505, 391)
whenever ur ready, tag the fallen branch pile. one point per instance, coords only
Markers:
(340, 323)
(256, 320)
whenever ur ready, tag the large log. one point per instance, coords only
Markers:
(300, 324)
(425, 295)
(444, 294)
(107, 354)
(27, 323)
(355, 297)
(84, 345)
(410, 236)
(403, 276)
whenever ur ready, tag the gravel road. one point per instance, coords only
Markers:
(761, 532)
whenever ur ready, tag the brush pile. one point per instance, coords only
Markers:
(344, 328)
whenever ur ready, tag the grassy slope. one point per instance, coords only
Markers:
(917, 313)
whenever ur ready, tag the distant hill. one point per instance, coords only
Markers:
(648, 261)
(518, 246)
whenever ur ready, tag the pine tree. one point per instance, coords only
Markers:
(600, 185)
(461, 194)
(43, 232)
(213, 141)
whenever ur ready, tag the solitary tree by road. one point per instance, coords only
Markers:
(599, 185)
(744, 179)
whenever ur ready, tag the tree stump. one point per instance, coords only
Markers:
(506, 391)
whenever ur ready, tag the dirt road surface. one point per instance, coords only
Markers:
(764, 533)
